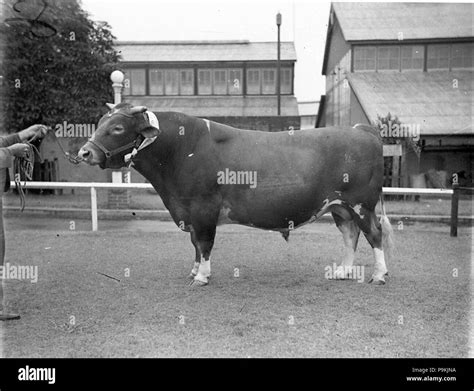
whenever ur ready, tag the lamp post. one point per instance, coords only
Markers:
(278, 23)
(119, 198)
(117, 84)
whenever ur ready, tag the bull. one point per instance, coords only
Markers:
(209, 174)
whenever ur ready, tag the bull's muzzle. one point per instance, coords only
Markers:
(86, 154)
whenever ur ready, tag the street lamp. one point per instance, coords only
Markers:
(124, 175)
(278, 23)
(117, 84)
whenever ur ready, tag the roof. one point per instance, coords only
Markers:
(308, 108)
(192, 51)
(219, 106)
(424, 98)
(384, 21)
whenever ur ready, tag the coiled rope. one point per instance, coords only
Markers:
(23, 170)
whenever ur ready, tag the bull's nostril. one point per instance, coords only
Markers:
(84, 154)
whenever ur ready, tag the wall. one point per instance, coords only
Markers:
(357, 115)
(308, 122)
(338, 100)
(451, 161)
(338, 48)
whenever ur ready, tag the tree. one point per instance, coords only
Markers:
(393, 131)
(56, 65)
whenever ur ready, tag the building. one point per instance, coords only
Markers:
(233, 82)
(413, 60)
(308, 113)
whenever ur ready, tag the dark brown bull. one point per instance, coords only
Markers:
(209, 174)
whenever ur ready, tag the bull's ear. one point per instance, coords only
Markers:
(138, 109)
(152, 127)
(110, 105)
(150, 132)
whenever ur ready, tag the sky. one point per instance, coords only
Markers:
(303, 22)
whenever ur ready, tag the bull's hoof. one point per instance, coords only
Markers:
(377, 281)
(198, 283)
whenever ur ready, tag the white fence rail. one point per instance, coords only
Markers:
(410, 191)
(93, 186)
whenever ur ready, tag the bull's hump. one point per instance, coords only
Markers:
(367, 128)
(219, 132)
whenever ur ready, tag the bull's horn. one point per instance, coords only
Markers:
(110, 105)
(138, 109)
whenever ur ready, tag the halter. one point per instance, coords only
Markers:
(108, 154)
(139, 143)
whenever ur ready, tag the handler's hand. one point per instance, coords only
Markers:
(18, 150)
(33, 132)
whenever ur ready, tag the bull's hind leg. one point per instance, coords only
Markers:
(368, 223)
(350, 233)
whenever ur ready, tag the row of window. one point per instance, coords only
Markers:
(412, 57)
(218, 81)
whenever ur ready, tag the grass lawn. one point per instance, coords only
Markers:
(280, 305)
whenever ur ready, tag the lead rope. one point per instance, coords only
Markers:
(23, 168)
(69, 156)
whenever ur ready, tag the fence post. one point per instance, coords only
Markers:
(94, 208)
(454, 211)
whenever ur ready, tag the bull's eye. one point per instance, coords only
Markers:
(117, 129)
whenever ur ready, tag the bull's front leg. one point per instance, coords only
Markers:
(205, 240)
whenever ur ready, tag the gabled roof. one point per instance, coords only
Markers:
(219, 106)
(384, 21)
(364, 22)
(198, 51)
(424, 98)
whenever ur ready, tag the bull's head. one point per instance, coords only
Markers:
(118, 133)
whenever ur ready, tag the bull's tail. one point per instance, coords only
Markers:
(387, 233)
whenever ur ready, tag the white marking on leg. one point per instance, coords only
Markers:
(379, 267)
(204, 271)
